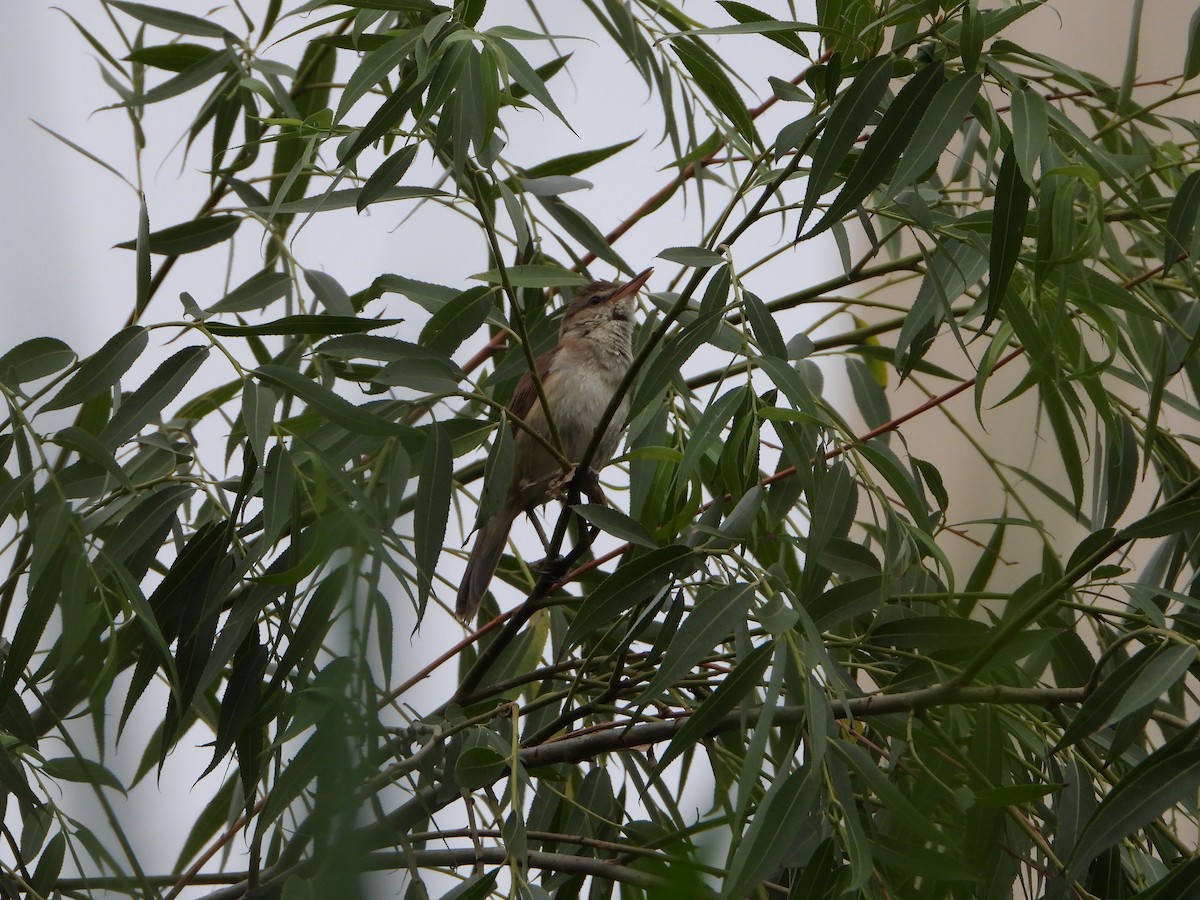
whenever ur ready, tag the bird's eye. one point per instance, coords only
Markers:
(595, 301)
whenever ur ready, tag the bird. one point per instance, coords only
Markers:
(579, 377)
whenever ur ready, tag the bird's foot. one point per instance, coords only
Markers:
(560, 487)
(589, 485)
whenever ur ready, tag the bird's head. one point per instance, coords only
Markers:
(600, 302)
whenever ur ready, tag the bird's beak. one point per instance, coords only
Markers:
(631, 287)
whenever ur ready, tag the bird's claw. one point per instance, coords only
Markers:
(589, 485)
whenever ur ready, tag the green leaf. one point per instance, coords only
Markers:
(1191, 62)
(1030, 130)
(525, 75)
(695, 257)
(893, 133)
(1181, 221)
(749, 15)
(1014, 794)
(1158, 783)
(457, 320)
(329, 293)
(82, 771)
(34, 359)
(946, 113)
(188, 237)
(532, 276)
(710, 622)
(49, 866)
(733, 689)
(89, 447)
(377, 65)
(478, 767)
(1008, 229)
(149, 399)
(704, 68)
(772, 833)
(100, 371)
(574, 163)
(931, 633)
(705, 435)
(1171, 518)
(192, 77)
(336, 409)
(1158, 676)
(298, 325)
(581, 228)
(1096, 710)
(847, 119)
(614, 522)
(347, 199)
(255, 292)
(497, 474)
(386, 177)
(477, 887)
(177, 22)
(636, 580)
(172, 57)
(432, 509)
(258, 416)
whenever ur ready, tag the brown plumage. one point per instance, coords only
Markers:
(579, 377)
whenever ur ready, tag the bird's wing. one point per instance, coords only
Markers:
(525, 395)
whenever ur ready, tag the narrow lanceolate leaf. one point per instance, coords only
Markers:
(177, 22)
(255, 292)
(142, 251)
(33, 359)
(614, 522)
(432, 509)
(525, 76)
(1172, 518)
(297, 325)
(705, 436)
(715, 85)
(695, 257)
(89, 447)
(147, 402)
(457, 320)
(336, 409)
(389, 115)
(1159, 782)
(258, 416)
(847, 119)
(1097, 710)
(1008, 229)
(636, 580)
(893, 133)
(376, 66)
(386, 177)
(785, 814)
(192, 77)
(574, 163)
(1191, 63)
(1159, 675)
(946, 113)
(100, 371)
(1181, 221)
(710, 622)
(749, 15)
(745, 677)
(188, 237)
(531, 276)
(1030, 130)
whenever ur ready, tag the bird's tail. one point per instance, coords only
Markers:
(481, 565)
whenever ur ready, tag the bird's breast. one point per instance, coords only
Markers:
(585, 385)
